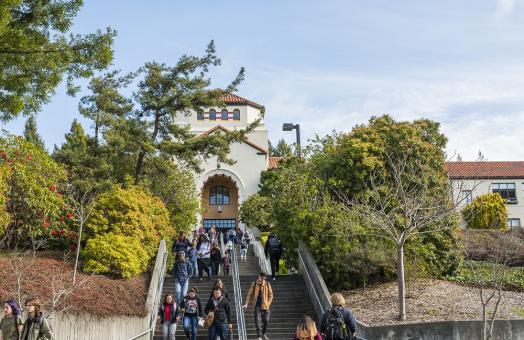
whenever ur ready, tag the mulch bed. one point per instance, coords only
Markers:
(47, 275)
(433, 300)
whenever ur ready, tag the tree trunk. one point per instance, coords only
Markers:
(142, 154)
(78, 244)
(401, 283)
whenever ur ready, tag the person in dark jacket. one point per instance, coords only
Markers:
(307, 330)
(12, 323)
(274, 249)
(168, 315)
(192, 308)
(182, 271)
(226, 263)
(350, 325)
(180, 244)
(36, 327)
(203, 249)
(215, 257)
(219, 305)
(219, 284)
(193, 258)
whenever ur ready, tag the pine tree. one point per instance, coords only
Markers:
(282, 149)
(31, 133)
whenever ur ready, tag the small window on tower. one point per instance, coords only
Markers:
(212, 115)
(200, 115)
(236, 114)
(224, 114)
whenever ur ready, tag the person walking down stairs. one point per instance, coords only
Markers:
(182, 271)
(191, 306)
(203, 249)
(261, 294)
(168, 315)
(218, 306)
(243, 251)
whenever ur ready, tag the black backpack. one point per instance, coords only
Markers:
(335, 325)
(274, 246)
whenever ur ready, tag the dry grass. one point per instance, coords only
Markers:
(438, 300)
(97, 294)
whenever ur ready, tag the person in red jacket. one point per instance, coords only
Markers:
(307, 330)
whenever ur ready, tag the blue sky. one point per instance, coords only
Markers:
(333, 64)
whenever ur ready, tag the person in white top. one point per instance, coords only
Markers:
(203, 249)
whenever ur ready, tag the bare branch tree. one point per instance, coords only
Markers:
(402, 203)
(82, 205)
(503, 252)
(20, 264)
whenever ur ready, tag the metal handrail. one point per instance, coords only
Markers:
(156, 299)
(241, 323)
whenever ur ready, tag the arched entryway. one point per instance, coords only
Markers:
(220, 200)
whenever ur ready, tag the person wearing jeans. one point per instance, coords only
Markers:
(261, 293)
(193, 258)
(219, 305)
(192, 307)
(168, 315)
(181, 273)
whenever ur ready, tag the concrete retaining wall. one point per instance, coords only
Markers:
(441, 330)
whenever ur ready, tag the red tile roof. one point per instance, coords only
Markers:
(273, 161)
(231, 98)
(213, 129)
(485, 170)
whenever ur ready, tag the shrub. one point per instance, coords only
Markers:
(120, 255)
(131, 212)
(471, 270)
(478, 244)
(486, 212)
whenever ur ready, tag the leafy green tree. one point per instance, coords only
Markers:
(131, 212)
(32, 200)
(255, 211)
(87, 164)
(115, 254)
(31, 133)
(37, 50)
(282, 149)
(486, 211)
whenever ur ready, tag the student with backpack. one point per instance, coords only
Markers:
(36, 327)
(193, 258)
(215, 257)
(182, 271)
(168, 315)
(180, 244)
(247, 238)
(219, 309)
(307, 330)
(226, 263)
(203, 249)
(239, 236)
(338, 322)
(243, 251)
(274, 249)
(192, 309)
(12, 323)
(261, 294)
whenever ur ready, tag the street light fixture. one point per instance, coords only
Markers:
(290, 127)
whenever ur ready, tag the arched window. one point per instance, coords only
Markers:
(224, 114)
(219, 196)
(212, 115)
(236, 114)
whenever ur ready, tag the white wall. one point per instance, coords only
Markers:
(483, 186)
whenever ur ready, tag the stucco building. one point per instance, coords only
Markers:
(224, 187)
(505, 178)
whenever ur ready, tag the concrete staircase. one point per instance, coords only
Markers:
(204, 291)
(290, 301)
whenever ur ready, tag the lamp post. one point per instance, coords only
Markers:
(290, 127)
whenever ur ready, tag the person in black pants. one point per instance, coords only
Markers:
(219, 305)
(274, 249)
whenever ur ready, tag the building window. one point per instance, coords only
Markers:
(212, 115)
(236, 114)
(467, 196)
(224, 114)
(219, 196)
(200, 115)
(514, 223)
(221, 224)
(506, 191)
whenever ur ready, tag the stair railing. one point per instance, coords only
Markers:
(258, 248)
(241, 322)
(155, 290)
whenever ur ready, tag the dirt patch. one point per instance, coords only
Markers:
(437, 300)
(50, 278)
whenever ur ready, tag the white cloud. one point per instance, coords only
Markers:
(478, 110)
(504, 7)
